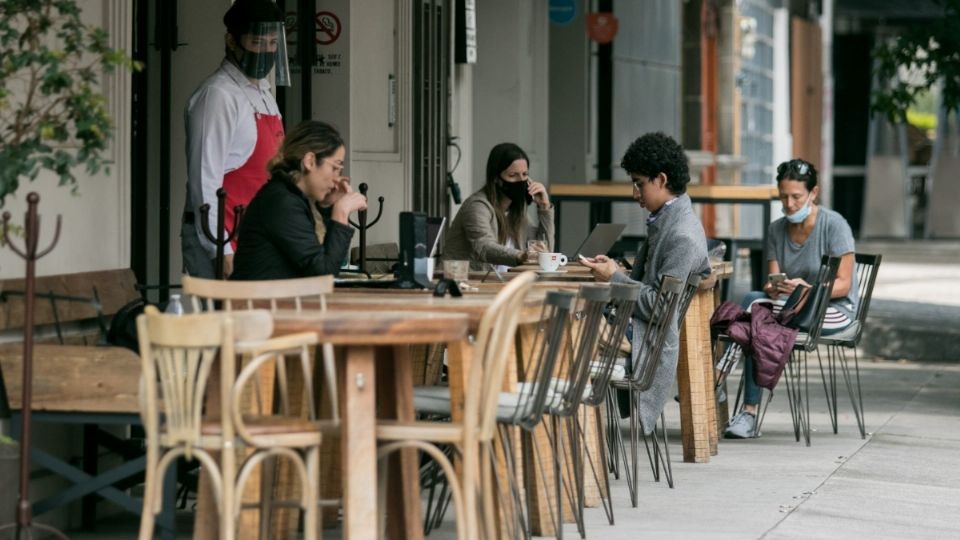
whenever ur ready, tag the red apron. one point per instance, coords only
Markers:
(242, 183)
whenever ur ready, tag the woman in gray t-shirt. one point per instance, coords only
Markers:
(796, 244)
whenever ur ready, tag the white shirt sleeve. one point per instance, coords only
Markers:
(211, 121)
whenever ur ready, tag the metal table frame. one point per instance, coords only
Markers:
(89, 482)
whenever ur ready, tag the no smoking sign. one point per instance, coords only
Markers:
(328, 28)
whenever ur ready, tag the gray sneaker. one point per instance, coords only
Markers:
(742, 426)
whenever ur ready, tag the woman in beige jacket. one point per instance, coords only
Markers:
(492, 225)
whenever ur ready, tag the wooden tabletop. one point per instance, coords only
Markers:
(75, 378)
(624, 190)
(374, 327)
(471, 304)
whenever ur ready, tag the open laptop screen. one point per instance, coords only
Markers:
(599, 241)
(434, 228)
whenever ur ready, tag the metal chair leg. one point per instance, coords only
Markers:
(853, 388)
(829, 381)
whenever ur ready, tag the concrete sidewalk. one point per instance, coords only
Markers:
(903, 481)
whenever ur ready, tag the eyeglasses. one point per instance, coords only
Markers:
(795, 166)
(337, 167)
(638, 184)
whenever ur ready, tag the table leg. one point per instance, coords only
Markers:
(763, 249)
(358, 445)
(88, 516)
(706, 362)
(690, 381)
(459, 361)
(395, 399)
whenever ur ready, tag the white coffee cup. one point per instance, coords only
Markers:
(549, 262)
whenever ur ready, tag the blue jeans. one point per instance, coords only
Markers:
(752, 392)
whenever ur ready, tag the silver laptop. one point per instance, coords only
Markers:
(599, 241)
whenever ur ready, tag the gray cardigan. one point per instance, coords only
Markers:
(675, 246)
(473, 235)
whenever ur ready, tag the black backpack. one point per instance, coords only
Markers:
(123, 325)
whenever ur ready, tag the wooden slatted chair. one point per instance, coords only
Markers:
(473, 489)
(178, 355)
(297, 294)
(206, 294)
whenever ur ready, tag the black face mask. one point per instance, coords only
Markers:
(515, 191)
(256, 65)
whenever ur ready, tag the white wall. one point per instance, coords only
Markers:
(510, 82)
(380, 46)
(91, 238)
(201, 32)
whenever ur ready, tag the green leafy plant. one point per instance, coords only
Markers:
(931, 52)
(53, 115)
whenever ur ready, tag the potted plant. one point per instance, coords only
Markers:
(53, 115)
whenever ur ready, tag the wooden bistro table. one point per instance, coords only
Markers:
(92, 387)
(376, 344)
(459, 353)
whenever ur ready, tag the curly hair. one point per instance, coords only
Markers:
(799, 170)
(656, 153)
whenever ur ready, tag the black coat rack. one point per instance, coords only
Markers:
(220, 240)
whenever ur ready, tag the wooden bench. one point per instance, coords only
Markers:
(75, 380)
(82, 304)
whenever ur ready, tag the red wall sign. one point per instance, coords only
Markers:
(602, 27)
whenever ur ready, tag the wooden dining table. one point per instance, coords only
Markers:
(459, 353)
(376, 365)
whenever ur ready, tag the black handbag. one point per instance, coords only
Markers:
(799, 309)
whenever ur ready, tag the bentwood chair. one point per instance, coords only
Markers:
(662, 320)
(207, 294)
(474, 487)
(866, 269)
(179, 354)
(296, 294)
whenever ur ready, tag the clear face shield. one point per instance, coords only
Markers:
(264, 49)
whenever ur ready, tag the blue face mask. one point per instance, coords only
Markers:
(800, 215)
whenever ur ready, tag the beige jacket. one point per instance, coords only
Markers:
(473, 235)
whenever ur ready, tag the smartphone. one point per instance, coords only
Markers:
(582, 258)
(776, 278)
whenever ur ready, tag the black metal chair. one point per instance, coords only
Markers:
(796, 370)
(623, 300)
(641, 379)
(867, 266)
(523, 408)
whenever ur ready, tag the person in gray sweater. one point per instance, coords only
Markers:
(492, 225)
(675, 246)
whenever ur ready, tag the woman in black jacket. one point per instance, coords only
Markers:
(280, 235)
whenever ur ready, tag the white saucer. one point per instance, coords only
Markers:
(549, 273)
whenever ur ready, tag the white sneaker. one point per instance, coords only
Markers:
(742, 426)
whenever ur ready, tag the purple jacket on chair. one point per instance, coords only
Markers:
(761, 335)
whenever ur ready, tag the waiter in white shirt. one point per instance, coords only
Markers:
(233, 127)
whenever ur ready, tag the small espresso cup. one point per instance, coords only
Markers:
(549, 262)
